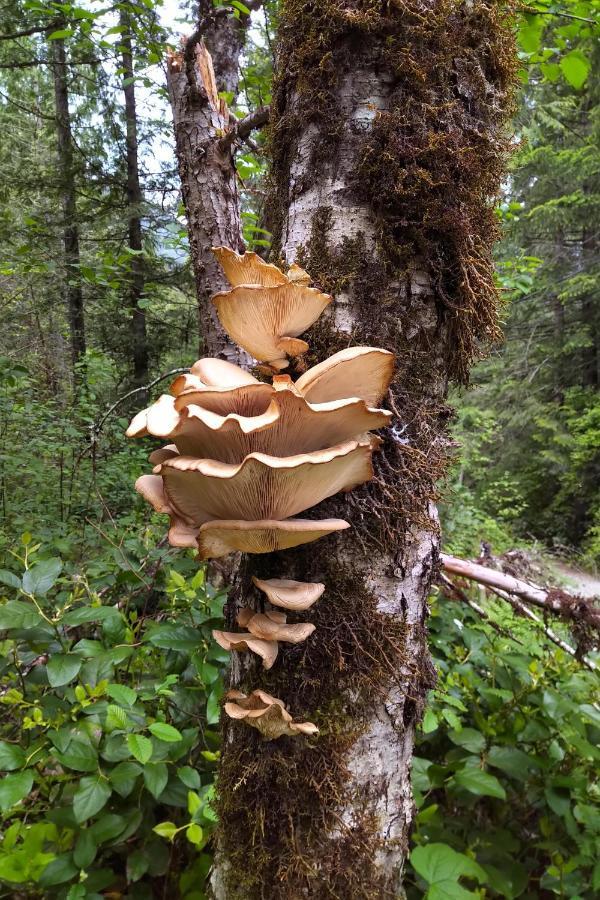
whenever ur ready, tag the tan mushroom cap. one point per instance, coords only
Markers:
(230, 640)
(262, 486)
(218, 538)
(246, 400)
(247, 268)
(289, 426)
(265, 713)
(163, 453)
(295, 595)
(221, 374)
(364, 372)
(264, 626)
(245, 614)
(181, 533)
(266, 321)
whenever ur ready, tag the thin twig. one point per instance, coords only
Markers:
(97, 427)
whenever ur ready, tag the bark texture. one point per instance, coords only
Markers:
(135, 200)
(388, 141)
(66, 183)
(206, 162)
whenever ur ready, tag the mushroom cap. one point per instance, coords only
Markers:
(245, 614)
(265, 320)
(221, 374)
(288, 426)
(247, 268)
(230, 640)
(263, 626)
(246, 400)
(364, 372)
(262, 486)
(296, 595)
(265, 713)
(218, 538)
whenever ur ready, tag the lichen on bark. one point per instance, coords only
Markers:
(389, 133)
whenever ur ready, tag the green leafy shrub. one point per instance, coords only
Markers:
(110, 683)
(505, 769)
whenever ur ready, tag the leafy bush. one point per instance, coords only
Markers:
(504, 773)
(110, 686)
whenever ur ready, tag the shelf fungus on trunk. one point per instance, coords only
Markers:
(244, 458)
(265, 713)
(294, 595)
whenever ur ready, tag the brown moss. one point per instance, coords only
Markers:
(279, 802)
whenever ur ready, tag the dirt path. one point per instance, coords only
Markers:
(577, 580)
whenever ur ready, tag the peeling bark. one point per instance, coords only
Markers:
(206, 164)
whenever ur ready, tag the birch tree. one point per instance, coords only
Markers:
(388, 142)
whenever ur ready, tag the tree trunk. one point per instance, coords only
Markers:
(388, 143)
(206, 165)
(135, 200)
(66, 184)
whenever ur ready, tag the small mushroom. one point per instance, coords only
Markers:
(218, 538)
(295, 595)
(230, 640)
(265, 713)
(262, 486)
(247, 268)
(364, 372)
(269, 627)
(266, 321)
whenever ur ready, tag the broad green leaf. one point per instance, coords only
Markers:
(85, 848)
(478, 782)
(63, 668)
(11, 757)
(42, 576)
(86, 614)
(512, 761)
(441, 867)
(140, 747)
(530, 33)
(108, 827)
(194, 833)
(165, 732)
(430, 722)
(80, 756)
(90, 797)
(61, 34)
(9, 579)
(122, 694)
(213, 705)
(190, 777)
(19, 614)
(116, 718)
(166, 829)
(137, 865)
(124, 776)
(575, 66)
(58, 871)
(14, 788)
(469, 738)
(175, 637)
(156, 776)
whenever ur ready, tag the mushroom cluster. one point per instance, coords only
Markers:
(244, 457)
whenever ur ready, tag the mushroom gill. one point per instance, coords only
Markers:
(294, 595)
(266, 649)
(263, 486)
(220, 537)
(266, 321)
(288, 426)
(265, 713)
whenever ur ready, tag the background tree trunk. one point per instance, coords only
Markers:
(206, 165)
(134, 200)
(388, 143)
(66, 184)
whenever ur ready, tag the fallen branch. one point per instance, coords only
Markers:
(464, 598)
(558, 602)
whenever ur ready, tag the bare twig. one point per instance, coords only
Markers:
(242, 129)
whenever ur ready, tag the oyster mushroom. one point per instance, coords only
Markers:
(247, 268)
(218, 538)
(364, 372)
(265, 713)
(212, 373)
(230, 640)
(269, 628)
(262, 486)
(266, 321)
(288, 426)
(295, 595)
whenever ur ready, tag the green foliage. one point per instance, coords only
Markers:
(504, 773)
(110, 683)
